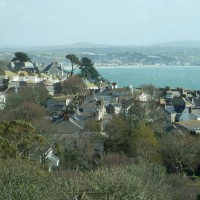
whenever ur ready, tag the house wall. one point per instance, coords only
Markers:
(2, 101)
(14, 78)
(53, 105)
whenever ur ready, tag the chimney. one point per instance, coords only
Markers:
(66, 117)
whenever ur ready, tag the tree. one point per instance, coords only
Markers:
(93, 126)
(143, 143)
(74, 85)
(75, 62)
(21, 57)
(24, 179)
(181, 153)
(88, 70)
(36, 94)
(16, 138)
(143, 181)
(118, 130)
(151, 90)
(29, 111)
(135, 111)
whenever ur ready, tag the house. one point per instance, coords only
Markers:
(55, 69)
(113, 108)
(91, 108)
(121, 91)
(188, 126)
(9, 75)
(190, 114)
(49, 86)
(48, 157)
(144, 97)
(171, 113)
(196, 101)
(56, 104)
(23, 76)
(90, 86)
(179, 104)
(26, 66)
(171, 94)
(45, 156)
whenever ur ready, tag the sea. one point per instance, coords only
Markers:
(187, 77)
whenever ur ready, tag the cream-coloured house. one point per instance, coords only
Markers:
(9, 75)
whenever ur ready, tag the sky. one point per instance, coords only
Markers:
(112, 22)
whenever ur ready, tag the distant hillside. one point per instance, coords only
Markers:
(176, 44)
(179, 44)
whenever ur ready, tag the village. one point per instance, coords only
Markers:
(81, 120)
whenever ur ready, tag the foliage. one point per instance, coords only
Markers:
(37, 94)
(93, 126)
(181, 153)
(21, 57)
(88, 71)
(75, 62)
(143, 143)
(143, 181)
(22, 179)
(74, 85)
(16, 138)
(117, 129)
(136, 140)
(29, 111)
(151, 90)
(135, 111)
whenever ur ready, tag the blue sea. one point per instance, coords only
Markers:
(187, 77)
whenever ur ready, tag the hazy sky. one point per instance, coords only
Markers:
(134, 22)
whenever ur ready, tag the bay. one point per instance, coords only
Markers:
(187, 77)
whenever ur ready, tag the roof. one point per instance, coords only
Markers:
(120, 90)
(196, 112)
(23, 73)
(43, 75)
(67, 127)
(8, 73)
(54, 68)
(170, 109)
(178, 101)
(91, 85)
(192, 124)
(196, 101)
(63, 98)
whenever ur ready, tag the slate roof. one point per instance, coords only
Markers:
(170, 109)
(196, 101)
(190, 125)
(53, 68)
(196, 112)
(178, 101)
(67, 126)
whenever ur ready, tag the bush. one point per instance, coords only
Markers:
(21, 179)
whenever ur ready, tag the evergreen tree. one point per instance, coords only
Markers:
(75, 62)
(21, 57)
(88, 70)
